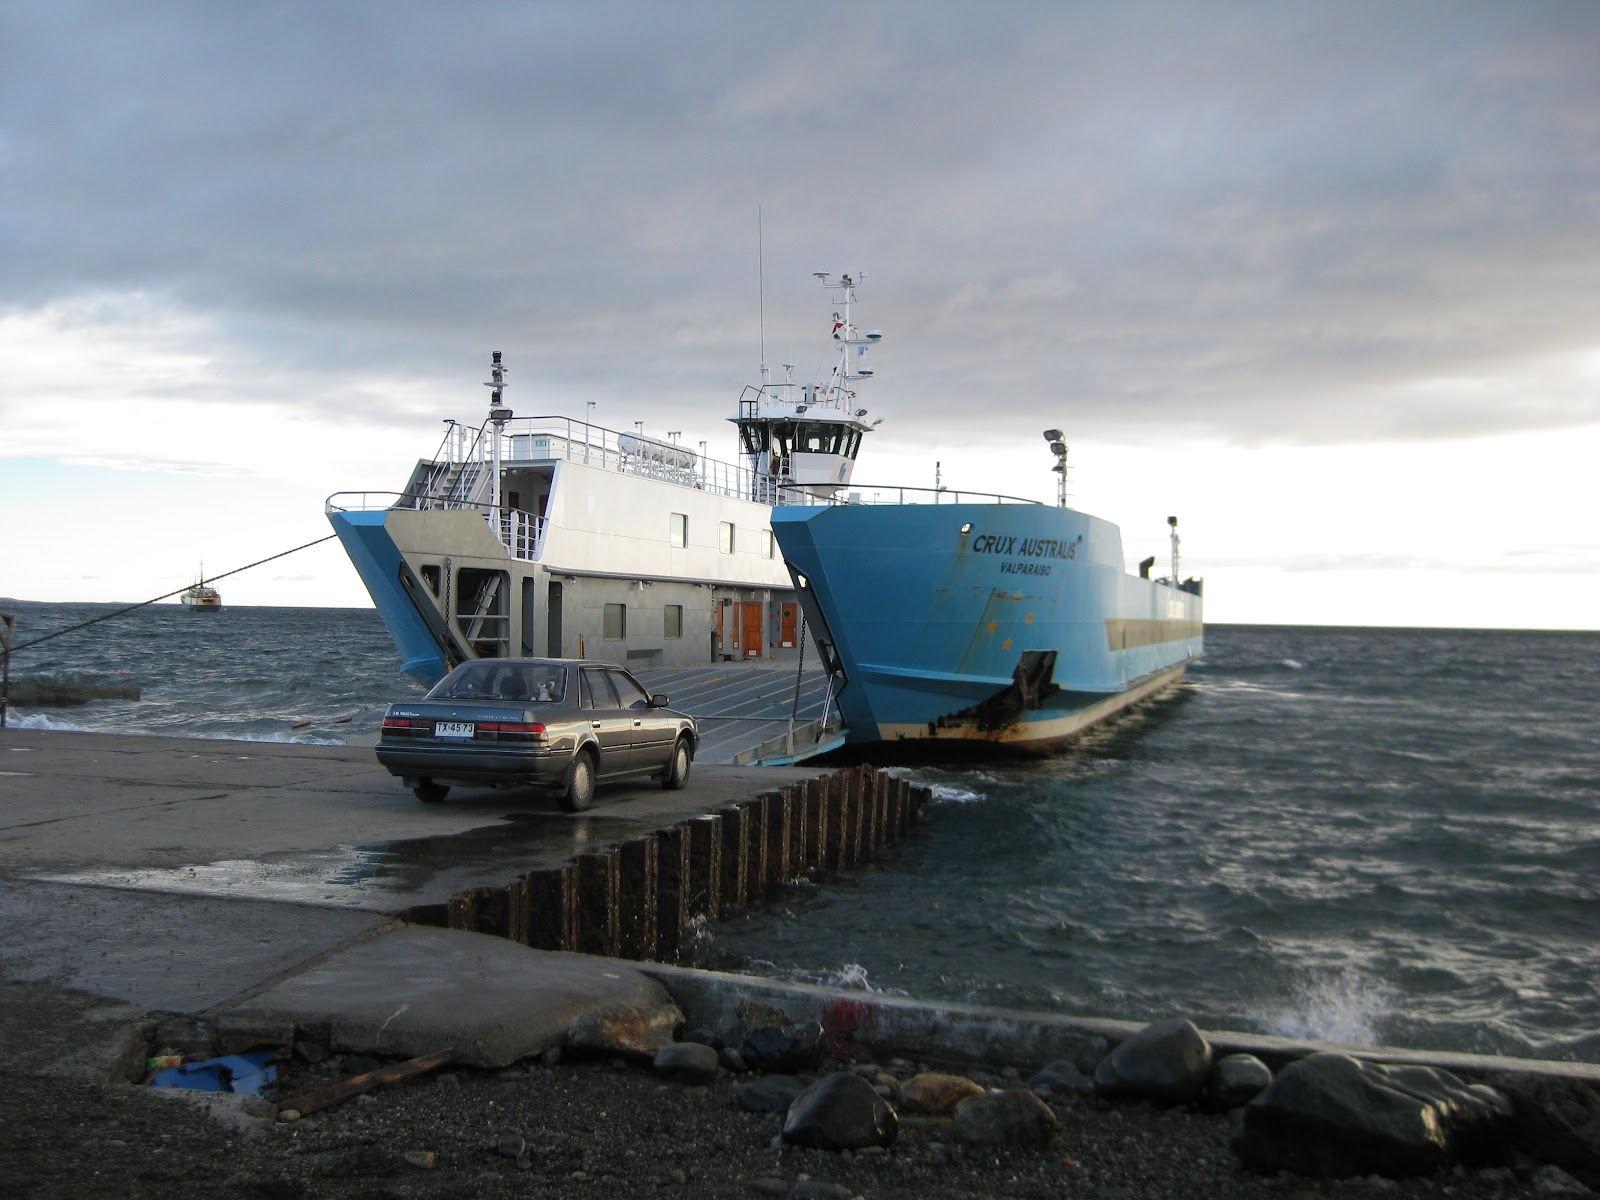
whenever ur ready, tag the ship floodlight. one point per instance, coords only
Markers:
(861, 412)
(1053, 435)
(1058, 448)
(800, 408)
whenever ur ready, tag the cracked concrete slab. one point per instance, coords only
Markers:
(416, 990)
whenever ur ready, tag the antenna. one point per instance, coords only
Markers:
(761, 289)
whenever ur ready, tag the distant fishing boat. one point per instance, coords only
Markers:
(200, 597)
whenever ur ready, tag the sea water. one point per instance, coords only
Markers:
(1368, 836)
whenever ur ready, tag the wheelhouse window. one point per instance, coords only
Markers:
(767, 548)
(616, 622)
(680, 529)
(725, 536)
(672, 621)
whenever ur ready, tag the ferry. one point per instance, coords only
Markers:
(955, 623)
(550, 536)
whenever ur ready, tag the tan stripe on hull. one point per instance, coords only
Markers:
(1052, 731)
(1130, 633)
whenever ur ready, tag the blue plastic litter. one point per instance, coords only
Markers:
(243, 1074)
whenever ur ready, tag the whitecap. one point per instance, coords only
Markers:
(949, 793)
(1344, 1008)
(41, 721)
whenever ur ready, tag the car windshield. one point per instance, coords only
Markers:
(527, 682)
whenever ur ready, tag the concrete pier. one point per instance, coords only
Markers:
(250, 888)
(181, 874)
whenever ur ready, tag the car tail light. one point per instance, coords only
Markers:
(406, 727)
(510, 731)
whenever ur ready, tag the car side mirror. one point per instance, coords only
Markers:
(658, 702)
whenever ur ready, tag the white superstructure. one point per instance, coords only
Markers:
(550, 536)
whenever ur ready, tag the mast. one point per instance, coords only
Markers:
(1058, 447)
(499, 414)
(801, 439)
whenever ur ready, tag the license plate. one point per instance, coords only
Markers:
(454, 729)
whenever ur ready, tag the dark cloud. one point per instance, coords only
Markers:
(1309, 222)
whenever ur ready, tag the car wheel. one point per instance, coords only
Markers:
(677, 773)
(429, 792)
(580, 783)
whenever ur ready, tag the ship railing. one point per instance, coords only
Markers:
(521, 533)
(547, 438)
(859, 493)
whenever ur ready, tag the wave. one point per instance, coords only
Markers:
(18, 720)
(1346, 1008)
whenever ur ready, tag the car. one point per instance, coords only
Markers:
(566, 724)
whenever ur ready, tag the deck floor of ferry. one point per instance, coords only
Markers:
(740, 705)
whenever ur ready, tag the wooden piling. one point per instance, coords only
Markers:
(832, 823)
(638, 885)
(599, 889)
(672, 889)
(705, 866)
(796, 792)
(755, 848)
(850, 819)
(778, 835)
(815, 824)
(735, 858)
(552, 907)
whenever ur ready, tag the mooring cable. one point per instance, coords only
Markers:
(168, 595)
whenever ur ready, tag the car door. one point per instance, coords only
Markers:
(611, 723)
(653, 730)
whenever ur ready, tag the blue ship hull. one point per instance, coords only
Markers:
(1010, 624)
(381, 566)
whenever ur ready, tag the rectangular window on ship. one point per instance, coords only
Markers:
(616, 622)
(672, 621)
(725, 536)
(680, 530)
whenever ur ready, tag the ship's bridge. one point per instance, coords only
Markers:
(796, 435)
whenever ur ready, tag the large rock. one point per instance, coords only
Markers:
(1063, 1075)
(1014, 1118)
(1166, 1061)
(688, 1062)
(1084, 1051)
(770, 1093)
(932, 1092)
(1331, 1116)
(785, 1049)
(1234, 1080)
(631, 1030)
(840, 1112)
(1556, 1121)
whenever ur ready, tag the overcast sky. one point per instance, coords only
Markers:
(1321, 278)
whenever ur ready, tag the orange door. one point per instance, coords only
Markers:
(787, 622)
(750, 629)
